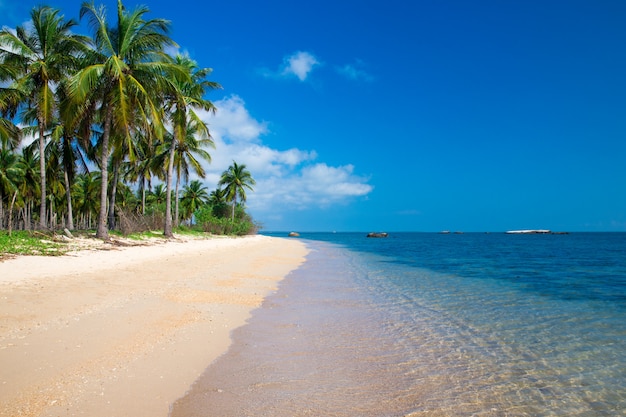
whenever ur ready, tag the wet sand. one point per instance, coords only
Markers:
(127, 331)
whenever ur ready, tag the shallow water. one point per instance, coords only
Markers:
(436, 325)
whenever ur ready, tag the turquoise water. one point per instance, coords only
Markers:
(433, 325)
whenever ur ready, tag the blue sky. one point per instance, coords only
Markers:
(421, 115)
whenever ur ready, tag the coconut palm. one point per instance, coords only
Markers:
(10, 134)
(217, 200)
(70, 141)
(195, 195)
(124, 75)
(236, 180)
(45, 52)
(188, 154)
(29, 186)
(147, 165)
(85, 195)
(158, 195)
(184, 95)
(10, 177)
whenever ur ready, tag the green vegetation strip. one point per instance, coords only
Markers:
(29, 243)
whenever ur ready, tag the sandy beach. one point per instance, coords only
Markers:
(126, 331)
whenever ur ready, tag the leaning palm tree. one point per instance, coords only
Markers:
(46, 52)
(184, 95)
(125, 74)
(236, 179)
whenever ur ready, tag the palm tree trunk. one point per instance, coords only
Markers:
(176, 196)
(102, 231)
(143, 196)
(11, 212)
(113, 194)
(1, 213)
(68, 197)
(234, 204)
(168, 198)
(42, 175)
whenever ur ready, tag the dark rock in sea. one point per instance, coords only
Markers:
(382, 234)
(294, 234)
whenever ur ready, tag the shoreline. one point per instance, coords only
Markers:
(127, 331)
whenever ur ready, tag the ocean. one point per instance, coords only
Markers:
(426, 324)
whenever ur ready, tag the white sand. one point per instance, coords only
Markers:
(126, 332)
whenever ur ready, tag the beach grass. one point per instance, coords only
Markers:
(55, 244)
(29, 243)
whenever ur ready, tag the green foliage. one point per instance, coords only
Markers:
(97, 105)
(28, 243)
(209, 223)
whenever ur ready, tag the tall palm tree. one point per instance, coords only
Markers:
(126, 72)
(45, 52)
(147, 166)
(185, 158)
(29, 186)
(70, 141)
(185, 94)
(187, 155)
(195, 195)
(236, 180)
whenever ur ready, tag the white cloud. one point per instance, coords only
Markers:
(285, 179)
(233, 121)
(355, 72)
(299, 64)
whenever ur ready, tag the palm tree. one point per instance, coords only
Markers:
(9, 97)
(10, 134)
(158, 195)
(195, 195)
(45, 53)
(126, 72)
(217, 200)
(29, 186)
(146, 166)
(236, 179)
(85, 195)
(187, 153)
(11, 175)
(70, 141)
(185, 94)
